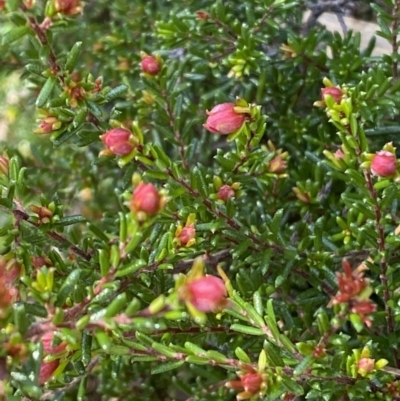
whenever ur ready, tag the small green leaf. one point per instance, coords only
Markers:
(217, 356)
(115, 92)
(104, 262)
(252, 331)
(163, 349)
(117, 305)
(273, 354)
(86, 347)
(303, 365)
(197, 360)
(73, 57)
(21, 320)
(46, 91)
(165, 367)
(195, 349)
(241, 355)
(67, 288)
(69, 220)
(14, 34)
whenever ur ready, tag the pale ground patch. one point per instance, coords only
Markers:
(366, 29)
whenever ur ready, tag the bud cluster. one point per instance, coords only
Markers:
(252, 382)
(186, 236)
(354, 290)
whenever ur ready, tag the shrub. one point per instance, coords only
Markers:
(206, 208)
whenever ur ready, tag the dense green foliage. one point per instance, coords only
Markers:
(307, 241)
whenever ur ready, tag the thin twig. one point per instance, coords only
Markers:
(52, 59)
(384, 267)
(177, 133)
(41, 35)
(21, 215)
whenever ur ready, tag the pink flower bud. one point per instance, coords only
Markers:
(47, 124)
(225, 192)
(384, 164)
(206, 294)
(336, 93)
(187, 234)
(47, 369)
(150, 65)
(365, 366)
(339, 154)
(117, 141)
(146, 199)
(252, 382)
(222, 119)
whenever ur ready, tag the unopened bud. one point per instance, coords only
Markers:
(223, 119)
(335, 93)
(146, 199)
(206, 294)
(277, 165)
(365, 366)
(48, 125)
(252, 382)
(384, 164)
(118, 141)
(225, 192)
(187, 235)
(150, 65)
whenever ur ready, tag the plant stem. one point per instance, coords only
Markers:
(382, 251)
(395, 46)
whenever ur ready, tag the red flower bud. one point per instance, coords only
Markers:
(187, 234)
(206, 294)
(145, 199)
(225, 192)
(47, 369)
(150, 65)
(222, 119)
(384, 164)
(336, 93)
(252, 382)
(117, 141)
